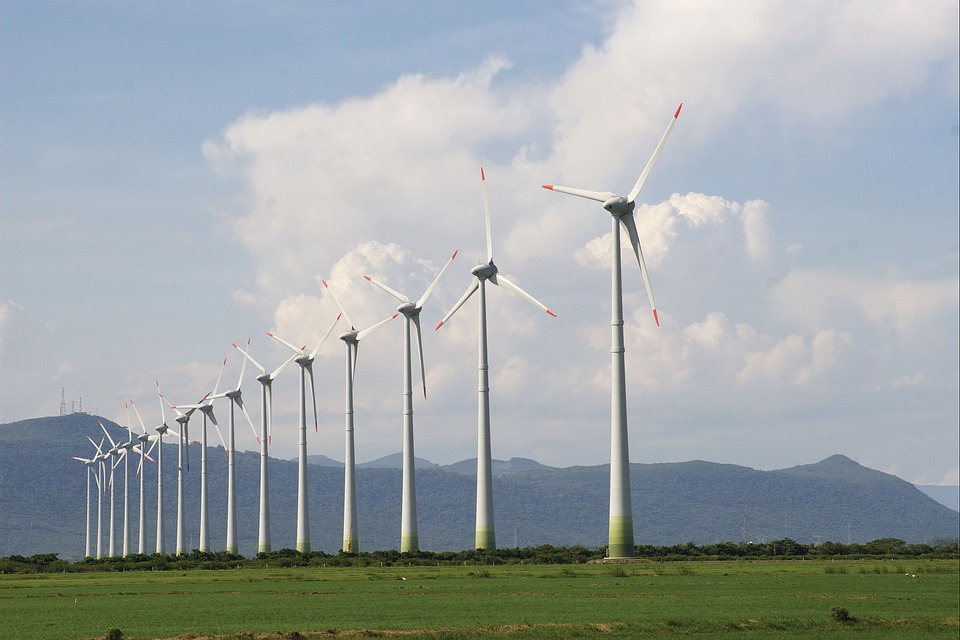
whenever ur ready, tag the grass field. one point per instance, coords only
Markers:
(902, 600)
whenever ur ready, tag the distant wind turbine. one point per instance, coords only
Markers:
(409, 534)
(88, 463)
(206, 409)
(306, 369)
(621, 542)
(483, 273)
(183, 419)
(236, 400)
(144, 438)
(101, 480)
(266, 430)
(351, 338)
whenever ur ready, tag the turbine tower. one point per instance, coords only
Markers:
(409, 535)
(483, 273)
(266, 430)
(306, 369)
(236, 400)
(621, 543)
(351, 338)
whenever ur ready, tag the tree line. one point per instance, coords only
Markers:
(787, 549)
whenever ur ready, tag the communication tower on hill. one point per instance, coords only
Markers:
(63, 402)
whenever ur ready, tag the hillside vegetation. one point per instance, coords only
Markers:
(43, 501)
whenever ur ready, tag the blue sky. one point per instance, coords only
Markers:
(178, 176)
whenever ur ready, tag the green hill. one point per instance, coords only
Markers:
(43, 500)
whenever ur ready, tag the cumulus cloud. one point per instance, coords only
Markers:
(388, 185)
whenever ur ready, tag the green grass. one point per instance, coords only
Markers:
(783, 600)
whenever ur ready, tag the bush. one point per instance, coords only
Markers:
(840, 614)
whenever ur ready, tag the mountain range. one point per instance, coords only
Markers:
(43, 499)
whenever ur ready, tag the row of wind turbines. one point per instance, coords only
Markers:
(100, 467)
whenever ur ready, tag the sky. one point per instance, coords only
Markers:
(177, 176)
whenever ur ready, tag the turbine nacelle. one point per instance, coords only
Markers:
(350, 337)
(264, 378)
(619, 206)
(485, 271)
(408, 309)
(162, 429)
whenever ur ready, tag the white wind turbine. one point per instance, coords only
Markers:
(206, 409)
(113, 454)
(306, 369)
(127, 446)
(144, 438)
(184, 420)
(266, 430)
(100, 478)
(236, 400)
(621, 542)
(409, 535)
(351, 338)
(483, 273)
(89, 464)
(119, 450)
(162, 429)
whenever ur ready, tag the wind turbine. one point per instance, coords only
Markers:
(100, 477)
(351, 338)
(236, 400)
(127, 446)
(113, 453)
(409, 535)
(621, 544)
(206, 409)
(89, 464)
(144, 438)
(119, 450)
(483, 273)
(184, 420)
(162, 429)
(266, 431)
(306, 368)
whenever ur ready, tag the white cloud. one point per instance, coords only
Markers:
(387, 185)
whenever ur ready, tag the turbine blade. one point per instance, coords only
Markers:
(137, 411)
(243, 366)
(599, 196)
(249, 357)
(423, 372)
(220, 435)
(213, 418)
(313, 392)
(474, 285)
(216, 387)
(630, 223)
(277, 371)
(296, 350)
(653, 159)
(163, 412)
(112, 443)
(269, 412)
(354, 352)
(396, 294)
(433, 285)
(500, 280)
(339, 306)
(363, 334)
(316, 349)
(486, 216)
(243, 408)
